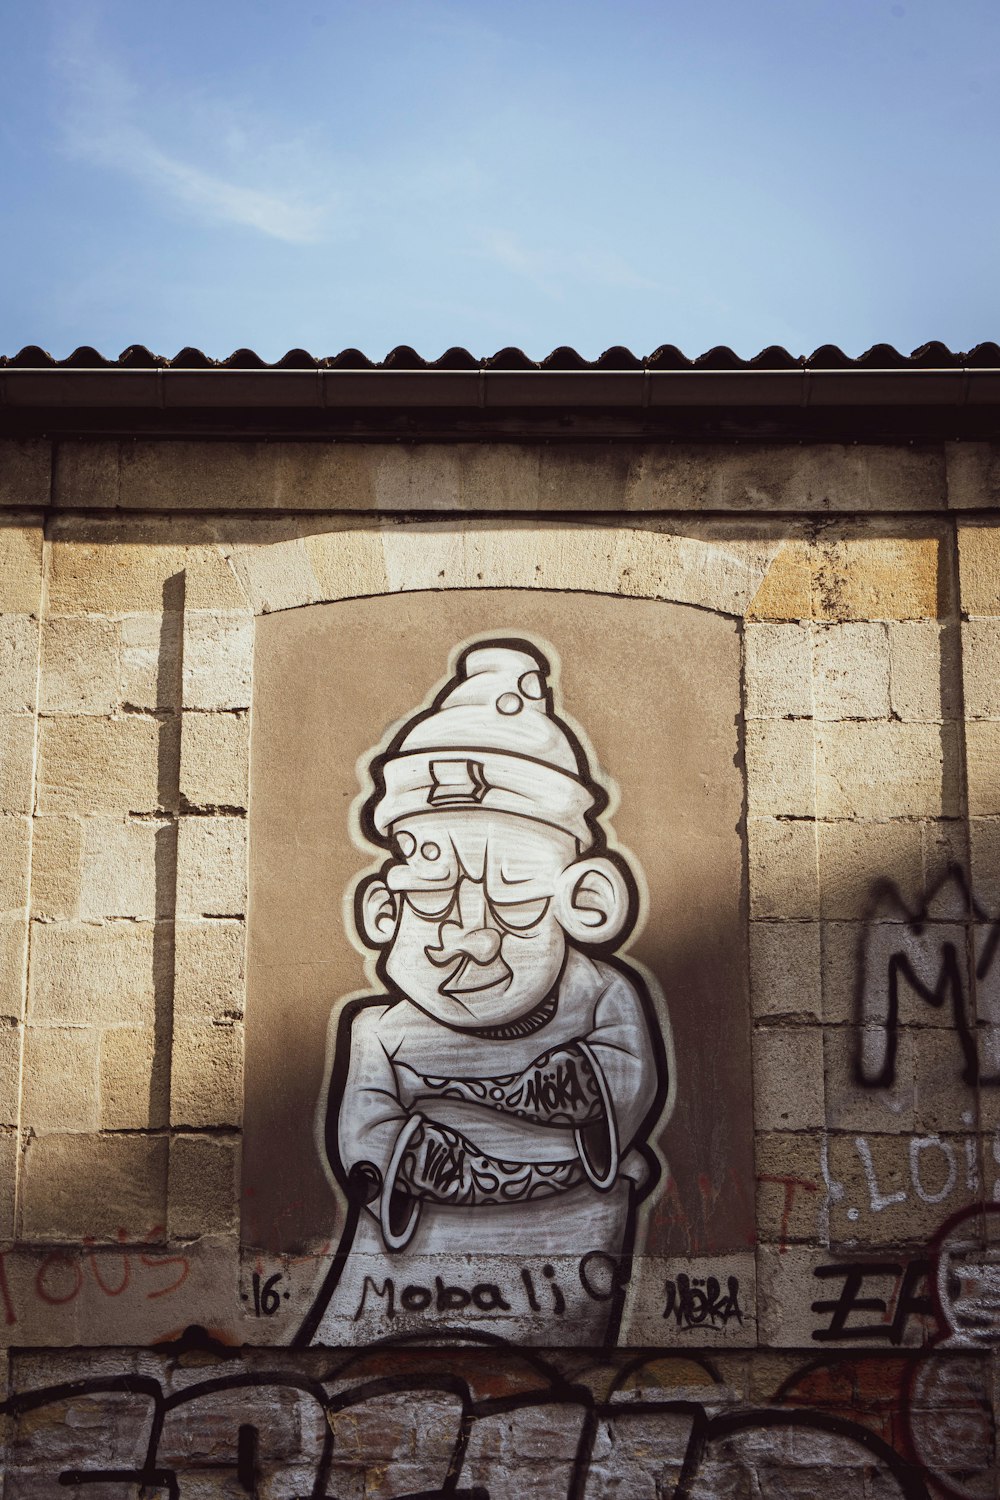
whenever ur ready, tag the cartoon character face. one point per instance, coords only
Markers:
(475, 914)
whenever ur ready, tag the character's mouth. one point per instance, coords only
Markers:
(471, 978)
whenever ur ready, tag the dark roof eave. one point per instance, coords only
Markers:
(318, 390)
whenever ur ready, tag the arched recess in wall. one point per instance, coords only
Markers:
(353, 630)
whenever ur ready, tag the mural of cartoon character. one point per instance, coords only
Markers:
(487, 1117)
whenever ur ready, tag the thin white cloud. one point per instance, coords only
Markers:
(99, 106)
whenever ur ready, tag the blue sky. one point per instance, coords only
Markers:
(536, 172)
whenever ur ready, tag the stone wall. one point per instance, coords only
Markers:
(145, 1350)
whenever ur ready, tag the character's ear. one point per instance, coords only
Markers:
(377, 912)
(592, 901)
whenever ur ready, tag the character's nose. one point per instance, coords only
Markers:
(470, 928)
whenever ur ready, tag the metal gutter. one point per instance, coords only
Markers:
(318, 390)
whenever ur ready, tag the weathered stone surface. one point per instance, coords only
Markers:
(786, 1064)
(17, 753)
(919, 688)
(203, 1186)
(13, 960)
(785, 969)
(125, 866)
(209, 983)
(783, 868)
(20, 561)
(18, 663)
(60, 1078)
(791, 1194)
(15, 861)
(10, 1072)
(81, 665)
(85, 974)
(207, 1075)
(215, 759)
(218, 650)
(851, 671)
(881, 769)
(211, 867)
(190, 475)
(80, 1185)
(134, 1092)
(97, 765)
(778, 664)
(781, 767)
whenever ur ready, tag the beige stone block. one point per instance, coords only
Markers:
(211, 867)
(209, 982)
(982, 760)
(60, 1078)
(780, 758)
(783, 868)
(215, 759)
(426, 476)
(203, 1188)
(885, 770)
(943, 1100)
(918, 689)
(218, 655)
(18, 663)
(77, 1186)
(851, 671)
(348, 564)
(20, 566)
(859, 957)
(81, 665)
(151, 660)
(815, 477)
(788, 1077)
(184, 475)
(981, 668)
(778, 665)
(973, 475)
(17, 762)
(57, 845)
(785, 968)
(13, 963)
(791, 1195)
(134, 1089)
(856, 860)
(979, 568)
(137, 567)
(984, 838)
(946, 866)
(95, 975)
(10, 1072)
(786, 591)
(851, 1102)
(15, 861)
(122, 860)
(92, 765)
(277, 575)
(8, 1192)
(206, 1086)
(868, 577)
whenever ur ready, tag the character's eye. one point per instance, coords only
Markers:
(520, 915)
(431, 903)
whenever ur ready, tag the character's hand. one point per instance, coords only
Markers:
(560, 1088)
(436, 1164)
(443, 1165)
